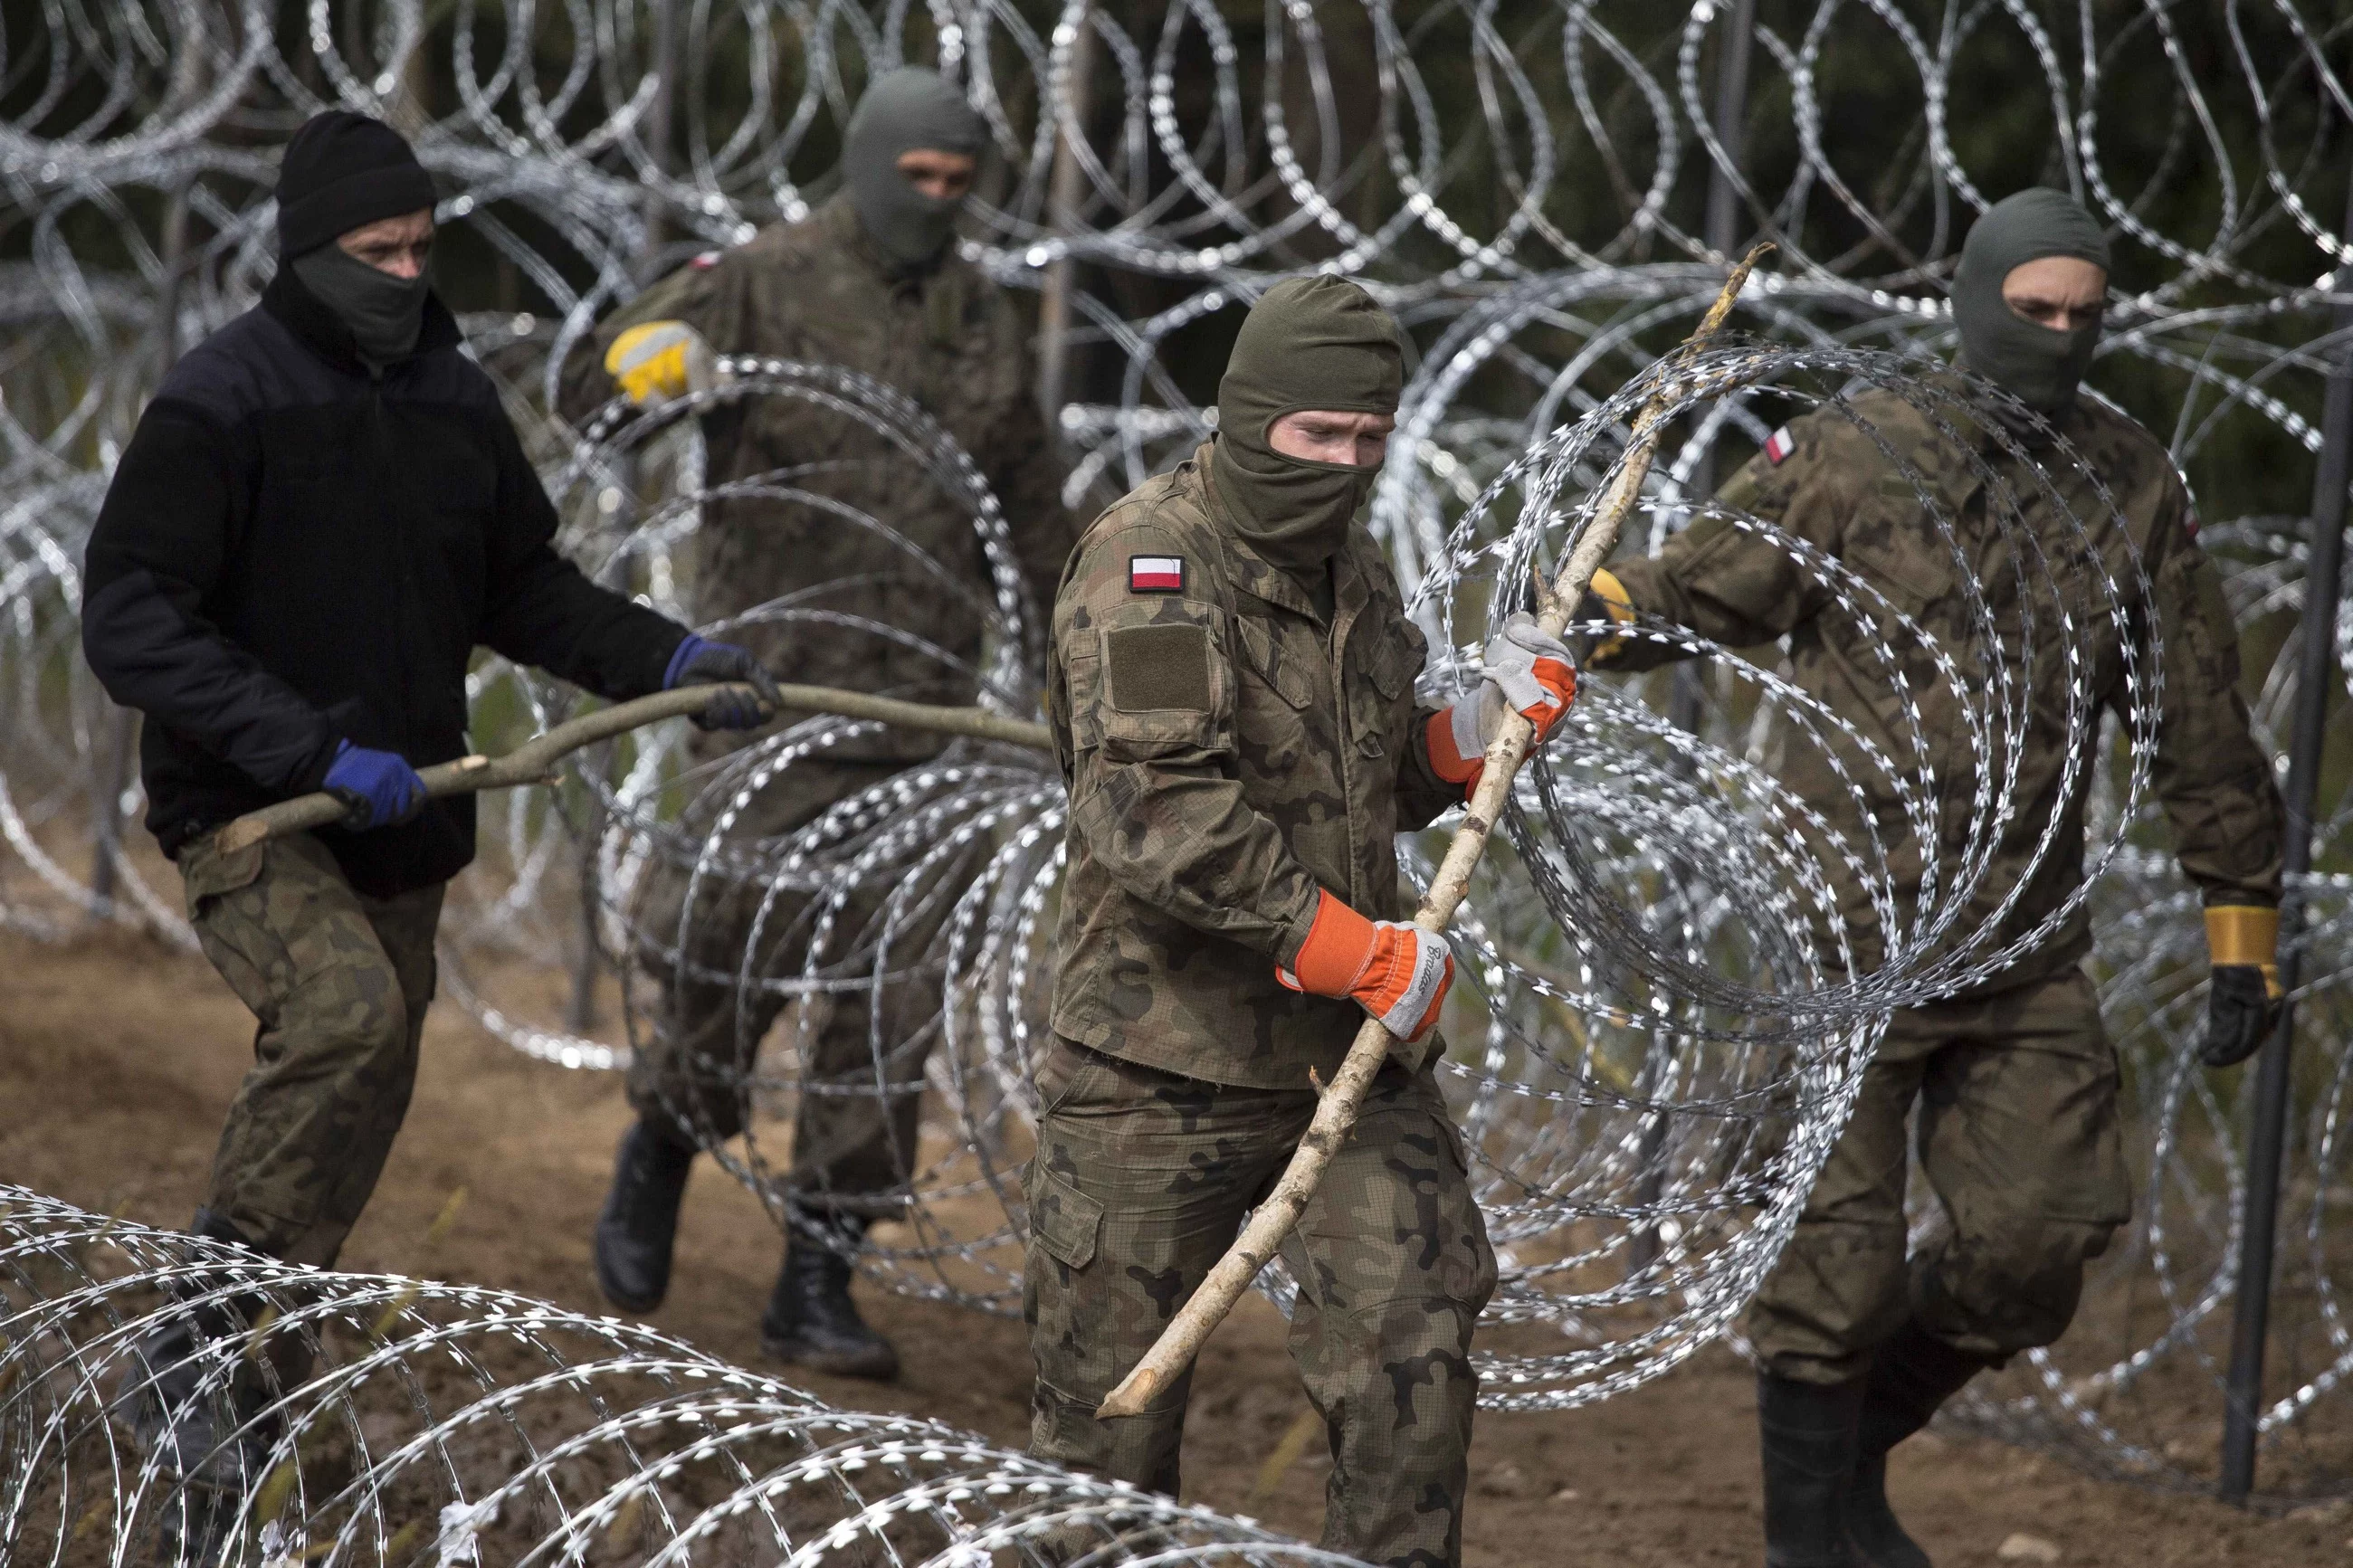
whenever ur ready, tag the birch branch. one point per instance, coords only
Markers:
(1336, 1114)
(534, 761)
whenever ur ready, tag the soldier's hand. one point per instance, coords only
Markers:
(378, 789)
(702, 662)
(1528, 670)
(655, 362)
(1394, 970)
(1605, 599)
(2243, 1002)
(2242, 1008)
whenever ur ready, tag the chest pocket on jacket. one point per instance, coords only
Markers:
(1275, 708)
(1387, 657)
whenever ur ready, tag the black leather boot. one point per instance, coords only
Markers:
(1912, 1374)
(811, 1321)
(639, 1227)
(196, 1403)
(1806, 1437)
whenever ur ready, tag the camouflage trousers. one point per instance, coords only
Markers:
(858, 1108)
(1141, 1180)
(2018, 1135)
(339, 983)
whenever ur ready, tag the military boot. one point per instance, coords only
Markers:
(1806, 1437)
(1912, 1374)
(193, 1400)
(638, 1227)
(811, 1321)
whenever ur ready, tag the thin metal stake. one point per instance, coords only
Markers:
(2316, 679)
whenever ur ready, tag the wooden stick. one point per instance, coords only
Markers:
(534, 761)
(1336, 1113)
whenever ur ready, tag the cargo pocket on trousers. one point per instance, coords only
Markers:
(1067, 1221)
(206, 873)
(235, 939)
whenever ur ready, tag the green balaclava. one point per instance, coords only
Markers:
(902, 111)
(2038, 366)
(1309, 342)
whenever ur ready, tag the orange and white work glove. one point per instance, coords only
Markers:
(654, 361)
(1396, 971)
(1528, 672)
(2243, 995)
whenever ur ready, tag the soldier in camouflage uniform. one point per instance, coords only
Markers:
(2015, 1082)
(870, 282)
(1232, 697)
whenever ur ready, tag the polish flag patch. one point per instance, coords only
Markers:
(1778, 446)
(1155, 573)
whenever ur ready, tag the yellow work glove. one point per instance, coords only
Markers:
(1605, 599)
(2242, 1001)
(657, 361)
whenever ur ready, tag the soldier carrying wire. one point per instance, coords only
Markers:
(1232, 701)
(870, 282)
(2014, 1081)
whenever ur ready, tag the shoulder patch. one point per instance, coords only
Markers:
(1778, 446)
(705, 261)
(1155, 573)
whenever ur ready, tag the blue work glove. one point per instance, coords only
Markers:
(699, 661)
(380, 787)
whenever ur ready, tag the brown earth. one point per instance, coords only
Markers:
(118, 1056)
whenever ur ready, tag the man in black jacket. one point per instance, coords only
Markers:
(322, 513)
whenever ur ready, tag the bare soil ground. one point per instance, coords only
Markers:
(119, 1055)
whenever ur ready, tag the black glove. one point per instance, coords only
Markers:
(702, 662)
(2240, 1014)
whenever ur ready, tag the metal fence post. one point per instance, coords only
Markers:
(2316, 678)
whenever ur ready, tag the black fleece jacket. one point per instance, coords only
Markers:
(295, 552)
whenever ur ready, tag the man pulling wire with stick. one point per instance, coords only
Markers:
(322, 513)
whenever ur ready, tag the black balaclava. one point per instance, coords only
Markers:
(2039, 365)
(341, 171)
(1309, 342)
(902, 111)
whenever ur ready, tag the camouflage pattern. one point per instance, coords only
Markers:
(855, 1121)
(1230, 749)
(339, 983)
(1141, 1180)
(818, 291)
(2021, 1138)
(1839, 491)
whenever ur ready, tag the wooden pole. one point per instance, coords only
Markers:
(534, 761)
(1181, 1341)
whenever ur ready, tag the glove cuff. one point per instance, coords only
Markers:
(1448, 758)
(2243, 933)
(689, 649)
(1339, 945)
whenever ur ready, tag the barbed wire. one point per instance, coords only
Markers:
(167, 1398)
(1657, 1040)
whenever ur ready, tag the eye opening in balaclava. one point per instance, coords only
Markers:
(2039, 365)
(900, 112)
(1309, 344)
(342, 171)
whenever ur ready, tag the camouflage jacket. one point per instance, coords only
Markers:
(1834, 486)
(1228, 751)
(817, 291)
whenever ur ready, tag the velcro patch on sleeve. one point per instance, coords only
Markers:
(1155, 573)
(1155, 668)
(1778, 446)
